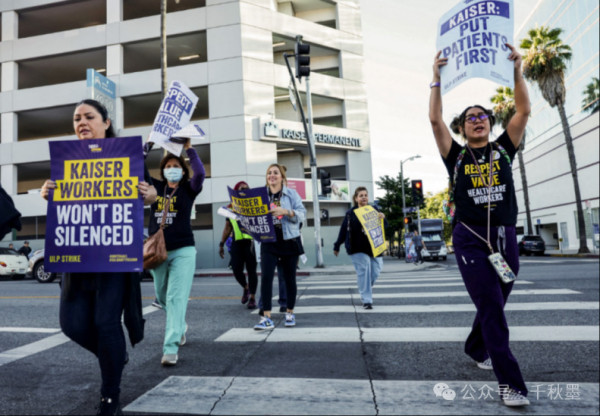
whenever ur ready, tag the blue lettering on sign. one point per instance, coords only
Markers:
(483, 8)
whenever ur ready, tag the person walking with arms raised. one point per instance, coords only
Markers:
(483, 202)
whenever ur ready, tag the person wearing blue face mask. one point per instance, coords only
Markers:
(173, 278)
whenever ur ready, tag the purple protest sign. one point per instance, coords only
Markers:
(95, 217)
(252, 209)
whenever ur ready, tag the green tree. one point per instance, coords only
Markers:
(391, 202)
(504, 109)
(545, 62)
(434, 209)
(590, 103)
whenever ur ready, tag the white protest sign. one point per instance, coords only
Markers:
(472, 35)
(174, 114)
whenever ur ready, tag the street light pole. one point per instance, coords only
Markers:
(402, 184)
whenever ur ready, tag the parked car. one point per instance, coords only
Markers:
(36, 267)
(532, 244)
(12, 263)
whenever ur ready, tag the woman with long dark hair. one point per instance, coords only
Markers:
(484, 207)
(91, 304)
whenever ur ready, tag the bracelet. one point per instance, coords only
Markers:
(434, 84)
(221, 245)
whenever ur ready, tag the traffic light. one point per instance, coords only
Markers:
(302, 51)
(417, 191)
(407, 220)
(325, 182)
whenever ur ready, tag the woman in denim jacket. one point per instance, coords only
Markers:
(288, 212)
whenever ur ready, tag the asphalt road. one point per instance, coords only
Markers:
(339, 359)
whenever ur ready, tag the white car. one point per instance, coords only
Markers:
(36, 267)
(12, 263)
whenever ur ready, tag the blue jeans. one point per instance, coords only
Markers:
(173, 284)
(90, 314)
(367, 271)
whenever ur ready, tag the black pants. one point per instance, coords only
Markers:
(268, 264)
(419, 256)
(242, 254)
(90, 314)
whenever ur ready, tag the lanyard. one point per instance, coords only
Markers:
(489, 188)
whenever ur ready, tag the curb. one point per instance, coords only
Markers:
(583, 256)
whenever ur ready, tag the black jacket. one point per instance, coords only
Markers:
(9, 216)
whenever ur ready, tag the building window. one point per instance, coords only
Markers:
(61, 17)
(45, 122)
(140, 110)
(134, 9)
(203, 220)
(185, 49)
(325, 61)
(322, 12)
(31, 176)
(59, 69)
(327, 111)
(32, 228)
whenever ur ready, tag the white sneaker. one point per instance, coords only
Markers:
(486, 364)
(512, 398)
(290, 320)
(169, 360)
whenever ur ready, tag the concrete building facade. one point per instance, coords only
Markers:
(550, 183)
(230, 53)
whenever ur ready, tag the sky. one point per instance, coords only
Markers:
(399, 46)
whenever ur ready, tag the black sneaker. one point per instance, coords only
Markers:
(109, 406)
(368, 306)
(282, 309)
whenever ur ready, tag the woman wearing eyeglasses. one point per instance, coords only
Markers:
(482, 194)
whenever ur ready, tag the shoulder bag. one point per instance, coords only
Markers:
(155, 248)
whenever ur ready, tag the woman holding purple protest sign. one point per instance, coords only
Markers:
(288, 213)
(91, 304)
(177, 192)
(483, 208)
(242, 253)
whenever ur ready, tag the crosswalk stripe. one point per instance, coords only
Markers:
(444, 294)
(399, 285)
(391, 280)
(29, 330)
(415, 334)
(320, 396)
(466, 307)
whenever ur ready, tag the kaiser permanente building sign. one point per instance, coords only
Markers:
(271, 130)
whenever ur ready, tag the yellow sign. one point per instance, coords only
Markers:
(373, 226)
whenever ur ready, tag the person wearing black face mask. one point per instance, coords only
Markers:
(173, 278)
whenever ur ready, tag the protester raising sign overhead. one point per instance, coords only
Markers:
(472, 35)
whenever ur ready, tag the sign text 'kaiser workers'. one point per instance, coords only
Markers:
(472, 35)
(373, 226)
(252, 209)
(95, 215)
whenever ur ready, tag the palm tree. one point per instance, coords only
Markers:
(504, 109)
(545, 62)
(592, 94)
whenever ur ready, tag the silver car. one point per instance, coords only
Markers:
(12, 263)
(36, 267)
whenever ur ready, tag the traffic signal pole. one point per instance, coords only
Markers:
(313, 158)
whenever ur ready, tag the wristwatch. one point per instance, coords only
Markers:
(434, 84)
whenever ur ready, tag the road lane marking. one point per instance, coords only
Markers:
(399, 285)
(43, 344)
(29, 330)
(322, 396)
(435, 308)
(414, 334)
(445, 294)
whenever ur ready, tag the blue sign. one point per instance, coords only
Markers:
(95, 215)
(104, 90)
